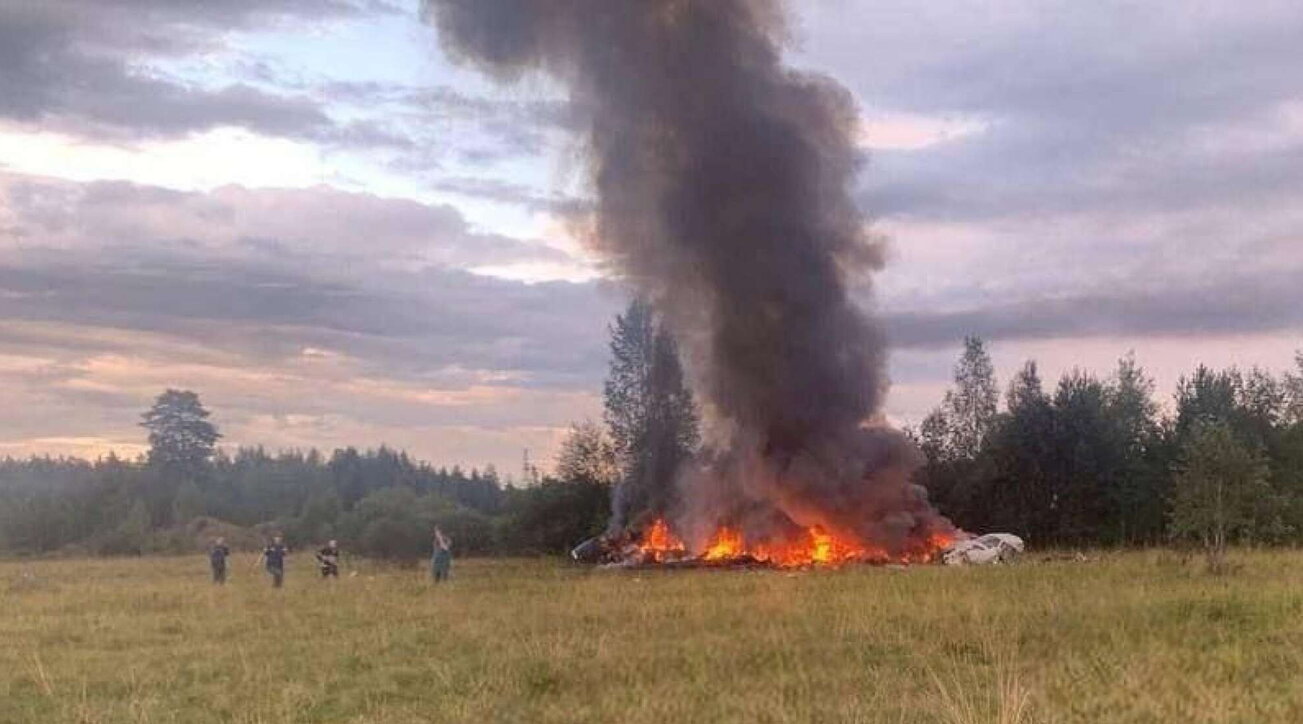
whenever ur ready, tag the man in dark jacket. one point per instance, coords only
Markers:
(273, 557)
(217, 556)
(328, 560)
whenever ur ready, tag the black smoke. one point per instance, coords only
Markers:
(723, 182)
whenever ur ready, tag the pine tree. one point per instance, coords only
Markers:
(1087, 460)
(180, 435)
(1139, 498)
(650, 413)
(1021, 448)
(181, 446)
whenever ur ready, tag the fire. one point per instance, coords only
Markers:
(817, 547)
(659, 543)
(820, 546)
(726, 544)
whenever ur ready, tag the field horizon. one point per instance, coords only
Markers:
(1136, 636)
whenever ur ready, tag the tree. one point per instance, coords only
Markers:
(555, 515)
(130, 537)
(395, 524)
(189, 502)
(954, 435)
(1140, 494)
(587, 455)
(959, 427)
(971, 406)
(1022, 450)
(180, 435)
(934, 437)
(319, 516)
(626, 389)
(1086, 460)
(1218, 487)
(650, 413)
(1294, 392)
(1287, 477)
(1252, 405)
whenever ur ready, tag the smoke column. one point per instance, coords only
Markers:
(723, 185)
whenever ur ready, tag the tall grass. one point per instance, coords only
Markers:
(1137, 637)
(969, 695)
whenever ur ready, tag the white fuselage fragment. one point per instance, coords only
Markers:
(986, 549)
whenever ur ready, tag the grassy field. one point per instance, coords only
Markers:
(1138, 637)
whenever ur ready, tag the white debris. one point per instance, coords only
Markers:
(987, 549)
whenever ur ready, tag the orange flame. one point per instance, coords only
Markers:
(726, 544)
(818, 547)
(659, 543)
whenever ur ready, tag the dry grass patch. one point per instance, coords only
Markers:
(1136, 637)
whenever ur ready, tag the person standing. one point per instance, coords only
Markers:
(328, 560)
(273, 557)
(217, 555)
(441, 563)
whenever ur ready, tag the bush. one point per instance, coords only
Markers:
(554, 516)
(398, 524)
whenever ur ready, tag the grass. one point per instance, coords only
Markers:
(1135, 637)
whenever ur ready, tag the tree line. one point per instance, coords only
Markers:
(187, 490)
(1098, 461)
(381, 502)
(1090, 461)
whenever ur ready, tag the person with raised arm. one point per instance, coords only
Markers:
(441, 563)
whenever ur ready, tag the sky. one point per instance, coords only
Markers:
(305, 212)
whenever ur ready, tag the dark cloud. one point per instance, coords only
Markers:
(75, 65)
(1026, 170)
(1121, 106)
(266, 274)
(1267, 302)
(546, 333)
(98, 70)
(1127, 169)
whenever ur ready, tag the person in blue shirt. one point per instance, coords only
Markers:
(273, 557)
(217, 556)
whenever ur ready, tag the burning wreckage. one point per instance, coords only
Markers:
(659, 547)
(723, 184)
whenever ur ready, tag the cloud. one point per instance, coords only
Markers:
(1268, 302)
(1112, 170)
(507, 192)
(912, 132)
(89, 401)
(79, 66)
(294, 312)
(134, 74)
(1056, 177)
(320, 227)
(270, 272)
(1113, 105)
